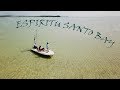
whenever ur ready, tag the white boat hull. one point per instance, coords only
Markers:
(45, 52)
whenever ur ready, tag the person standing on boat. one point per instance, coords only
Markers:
(47, 46)
(35, 45)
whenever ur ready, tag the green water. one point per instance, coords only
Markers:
(77, 55)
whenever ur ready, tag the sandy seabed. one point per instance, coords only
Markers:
(77, 56)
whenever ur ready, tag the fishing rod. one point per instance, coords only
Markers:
(35, 37)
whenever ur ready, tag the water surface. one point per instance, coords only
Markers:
(77, 55)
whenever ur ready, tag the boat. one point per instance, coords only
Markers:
(43, 51)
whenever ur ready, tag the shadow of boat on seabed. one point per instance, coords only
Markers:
(40, 55)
